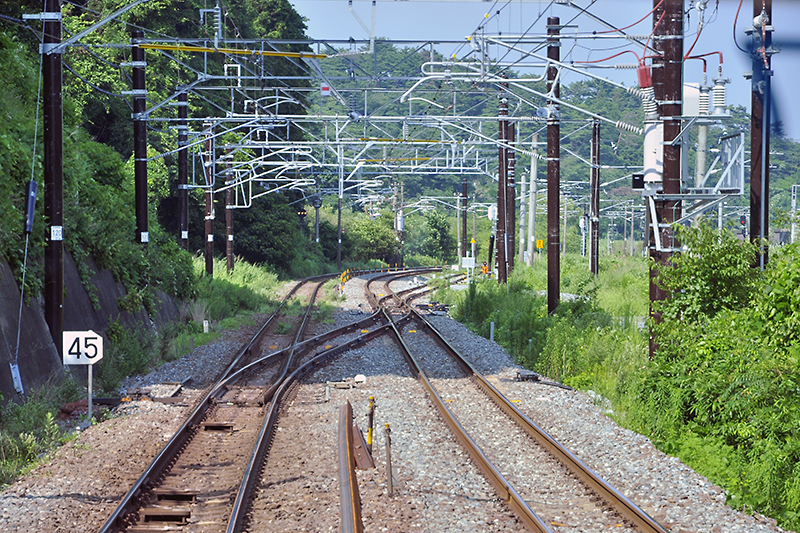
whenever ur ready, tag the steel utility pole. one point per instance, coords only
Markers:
(594, 202)
(553, 170)
(53, 172)
(402, 229)
(667, 75)
(502, 186)
(532, 200)
(523, 218)
(139, 138)
(340, 155)
(183, 169)
(759, 127)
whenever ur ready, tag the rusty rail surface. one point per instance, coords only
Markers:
(625, 507)
(130, 504)
(239, 515)
(349, 498)
(493, 475)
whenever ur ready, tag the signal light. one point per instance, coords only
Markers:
(743, 220)
(302, 213)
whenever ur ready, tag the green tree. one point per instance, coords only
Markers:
(267, 232)
(372, 239)
(714, 273)
(439, 241)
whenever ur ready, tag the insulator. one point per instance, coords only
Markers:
(637, 37)
(719, 95)
(704, 99)
(629, 127)
(217, 23)
(649, 101)
(626, 66)
(635, 91)
(405, 130)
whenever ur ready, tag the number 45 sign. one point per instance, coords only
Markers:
(82, 347)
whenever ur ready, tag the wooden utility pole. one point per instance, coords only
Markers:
(667, 75)
(594, 202)
(52, 109)
(553, 170)
(502, 191)
(140, 138)
(759, 127)
(183, 169)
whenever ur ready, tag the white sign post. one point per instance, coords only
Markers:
(83, 348)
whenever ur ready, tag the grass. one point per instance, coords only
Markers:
(28, 432)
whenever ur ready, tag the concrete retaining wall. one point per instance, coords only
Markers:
(38, 357)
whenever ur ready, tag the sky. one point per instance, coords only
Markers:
(455, 20)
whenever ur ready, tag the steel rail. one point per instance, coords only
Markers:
(493, 475)
(625, 507)
(403, 273)
(130, 503)
(239, 514)
(349, 498)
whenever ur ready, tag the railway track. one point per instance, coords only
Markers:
(202, 480)
(556, 484)
(184, 481)
(543, 482)
(254, 419)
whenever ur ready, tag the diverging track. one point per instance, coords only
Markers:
(260, 453)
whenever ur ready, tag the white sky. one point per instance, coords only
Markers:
(452, 20)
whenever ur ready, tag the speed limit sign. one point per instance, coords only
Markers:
(82, 347)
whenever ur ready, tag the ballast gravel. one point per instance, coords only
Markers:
(75, 489)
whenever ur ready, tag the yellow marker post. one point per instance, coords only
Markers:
(370, 419)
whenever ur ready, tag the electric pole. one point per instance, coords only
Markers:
(667, 75)
(464, 239)
(229, 222)
(502, 189)
(209, 216)
(139, 138)
(761, 54)
(511, 197)
(53, 172)
(594, 201)
(183, 169)
(553, 169)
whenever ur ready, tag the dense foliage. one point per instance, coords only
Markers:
(724, 383)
